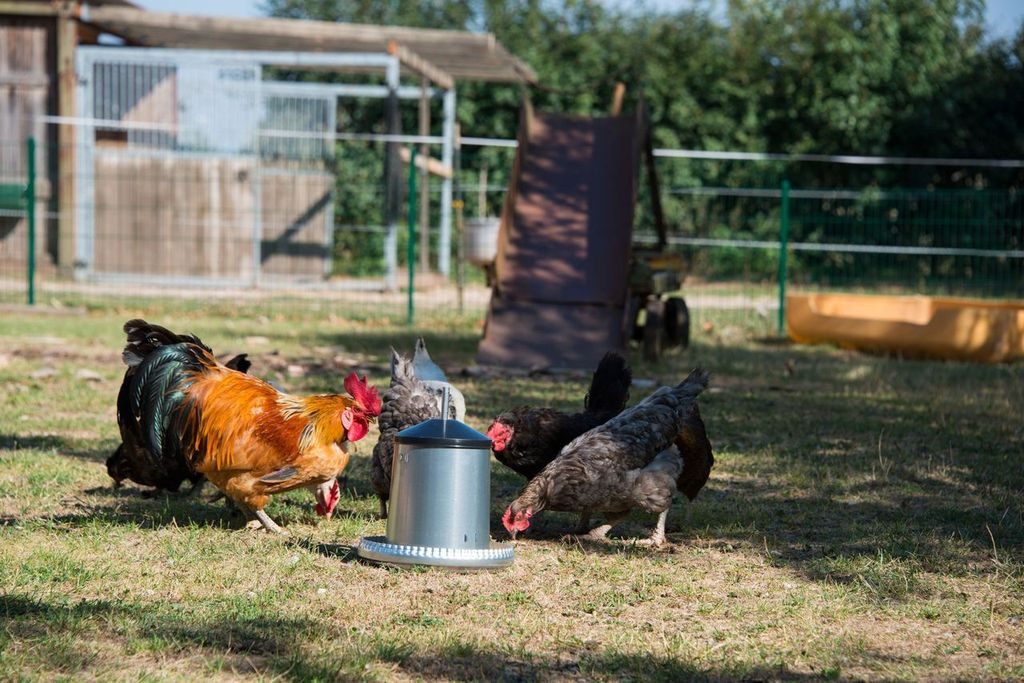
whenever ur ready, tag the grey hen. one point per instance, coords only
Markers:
(406, 403)
(635, 460)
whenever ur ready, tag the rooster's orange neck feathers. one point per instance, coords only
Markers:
(322, 414)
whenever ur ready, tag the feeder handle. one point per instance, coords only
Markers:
(444, 407)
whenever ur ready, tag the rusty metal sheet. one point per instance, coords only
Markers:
(571, 223)
(528, 334)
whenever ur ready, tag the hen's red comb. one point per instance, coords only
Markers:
(361, 391)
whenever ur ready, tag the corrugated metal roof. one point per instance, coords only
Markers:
(461, 54)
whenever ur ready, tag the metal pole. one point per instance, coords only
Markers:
(411, 255)
(391, 200)
(424, 221)
(30, 216)
(783, 248)
(257, 192)
(444, 248)
(460, 234)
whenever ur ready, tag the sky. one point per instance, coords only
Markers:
(1002, 16)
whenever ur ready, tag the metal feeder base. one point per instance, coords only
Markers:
(378, 549)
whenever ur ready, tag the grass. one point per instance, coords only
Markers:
(865, 520)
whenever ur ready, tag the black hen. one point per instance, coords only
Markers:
(406, 403)
(132, 460)
(526, 439)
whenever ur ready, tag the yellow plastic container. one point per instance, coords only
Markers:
(912, 326)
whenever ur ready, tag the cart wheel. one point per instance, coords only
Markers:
(632, 330)
(677, 322)
(654, 329)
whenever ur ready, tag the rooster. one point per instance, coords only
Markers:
(406, 403)
(132, 460)
(433, 377)
(526, 439)
(246, 437)
(639, 458)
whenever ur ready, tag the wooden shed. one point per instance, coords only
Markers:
(201, 223)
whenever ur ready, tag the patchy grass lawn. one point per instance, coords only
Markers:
(865, 520)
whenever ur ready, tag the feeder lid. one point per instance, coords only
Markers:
(444, 433)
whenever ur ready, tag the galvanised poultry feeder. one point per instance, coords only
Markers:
(440, 500)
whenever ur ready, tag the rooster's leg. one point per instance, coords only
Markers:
(197, 488)
(383, 509)
(261, 519)
(268, 523)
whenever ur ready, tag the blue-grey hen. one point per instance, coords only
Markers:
(406, 403)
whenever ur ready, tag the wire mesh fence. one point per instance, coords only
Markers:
(266, 234)
(867, 239)
(198, 229)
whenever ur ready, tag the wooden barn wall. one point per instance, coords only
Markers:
(295, 234)
(27, 91)
(173, 216)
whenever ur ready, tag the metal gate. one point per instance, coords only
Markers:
(177, 183)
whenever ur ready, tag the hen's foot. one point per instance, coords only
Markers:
(596, 534)
(655, 540)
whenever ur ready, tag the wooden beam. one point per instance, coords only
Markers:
(30, 9)
(617, 97)
(296, 28)
(430, 164)
(67, 43)
(450, 53)
(421, 66)
(424, 121)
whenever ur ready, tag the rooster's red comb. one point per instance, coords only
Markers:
(358, 388)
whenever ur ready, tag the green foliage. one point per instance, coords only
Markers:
(875, 77)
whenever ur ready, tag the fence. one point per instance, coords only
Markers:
(181, 231)
(194, 229)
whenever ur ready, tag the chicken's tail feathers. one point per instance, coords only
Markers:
(157, 391)
(698, 458)
(424, 366)
(696, 382)
(401, 368)
(144, 338)
(241, 363)
(609, 386)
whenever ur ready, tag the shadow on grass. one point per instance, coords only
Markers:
(138, 508)
(81, 449)
(58, 635)
(338, 551)
(822, 454)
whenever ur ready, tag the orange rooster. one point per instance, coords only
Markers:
(246, 437)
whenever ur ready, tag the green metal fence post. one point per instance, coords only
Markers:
(783, 249)
(30, 219)
(411, 256)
